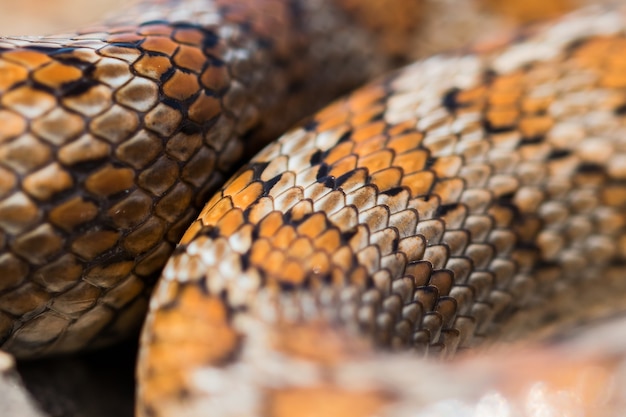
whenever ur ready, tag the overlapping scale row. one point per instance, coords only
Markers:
(426, 212)
(110, 139)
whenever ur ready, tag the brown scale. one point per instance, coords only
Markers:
(476, 220)
(112, 138)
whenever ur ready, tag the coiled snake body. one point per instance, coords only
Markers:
(463, 198)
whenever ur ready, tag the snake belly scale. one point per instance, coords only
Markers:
(463, 199)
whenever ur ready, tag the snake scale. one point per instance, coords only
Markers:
(463, 199)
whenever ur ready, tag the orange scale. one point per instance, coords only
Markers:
(328, 241)
(419, 183)
(387, 179)
(215, 78)
(11, 74)
(301, 210)
(270, 224)
(531, 126)
(181, 85)
(160, 44)
(359, 277)
(370, 146)
(534, 105)
(12, 125)
(230, 222)
(447, 166)
(343, 258)
(312, 226)
(377, 161)
(260, 251)
(292, 272)
(504, 98)
(368, 131)
(301, 248)
(449, 190)
(317, 264)
(593, 52)
(189, 36)
(367, 115)
(337, 120)
(616, 60)
(110, 180)
(190, 58)
(502, 118)
(283, 237)
(152, 66)
(216, 213)
(28, 59)
(338, 152)
(402, 128)
(205, 108)
(248, 195)
(343, 166)
(508, 82)
(406, 142)
(30, 102)
(364, 98)
(411, 162)
(472, 95)
(273, 263)
(613, 79)
(240, 182)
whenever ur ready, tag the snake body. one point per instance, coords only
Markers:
(462, 199)
(112, 138)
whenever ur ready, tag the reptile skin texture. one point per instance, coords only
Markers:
(463, 199)
(112, 138)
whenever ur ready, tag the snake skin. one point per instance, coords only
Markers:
(112, 138)
(463, 199)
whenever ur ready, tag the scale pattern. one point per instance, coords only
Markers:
(462, 199)
(113, 137)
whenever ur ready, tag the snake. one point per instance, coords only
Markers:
(467, 198)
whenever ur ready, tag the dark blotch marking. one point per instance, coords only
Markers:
(348, 234)
(533, 140)
(322, 172)
(590, 168)
(559, 154)
(257, 168)
(131, 45)
(450, 100)
(167, 74)
(620, 110)
(343, 178)
(430, 162)
(316, 158)
(268, 185)
(491, 129)
(444, 209)
(345, 137)
(310, 125)
(489, 76)
(329, 182)
(189, 127)
(393, 191)
(78, 87)
(154, 22)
